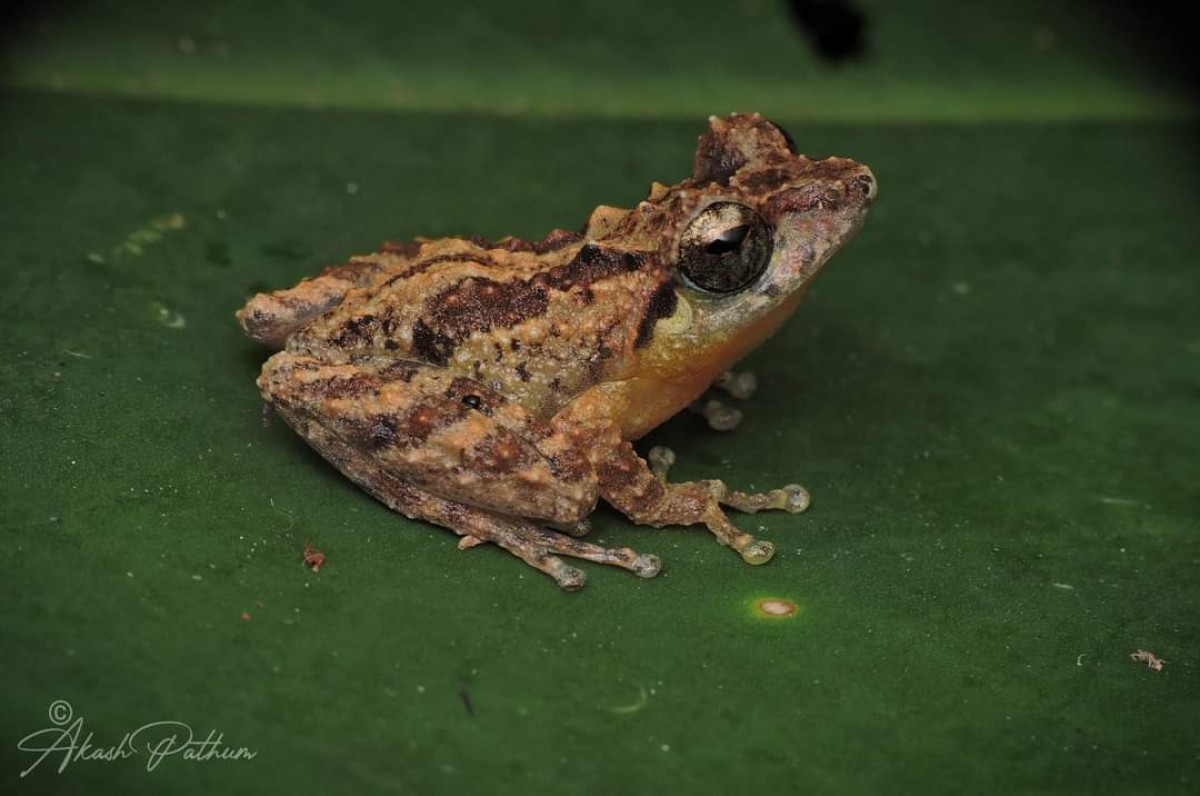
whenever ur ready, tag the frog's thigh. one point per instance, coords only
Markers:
(413, 502)
(450, 435)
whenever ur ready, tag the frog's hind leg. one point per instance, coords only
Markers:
(534, 545)
(448, 450)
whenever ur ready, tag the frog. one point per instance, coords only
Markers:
(496, 388)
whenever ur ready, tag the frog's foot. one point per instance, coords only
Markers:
(540, 547)
(792, 498)
(739, 385)
(720, 417)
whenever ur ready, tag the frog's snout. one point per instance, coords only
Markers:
(867, 185)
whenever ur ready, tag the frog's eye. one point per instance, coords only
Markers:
(725, 248)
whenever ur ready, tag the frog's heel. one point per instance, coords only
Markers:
(271, 318)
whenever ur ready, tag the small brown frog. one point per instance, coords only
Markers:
(493, 387)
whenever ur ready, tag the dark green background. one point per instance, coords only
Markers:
(992, 395)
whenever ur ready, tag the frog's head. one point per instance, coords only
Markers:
(774, 216)
(753, 226)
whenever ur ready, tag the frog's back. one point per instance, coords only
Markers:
(540, 320)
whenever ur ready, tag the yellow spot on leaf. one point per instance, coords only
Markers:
(774, 608)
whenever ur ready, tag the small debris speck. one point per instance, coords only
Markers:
(314, 559)
(1149, 658)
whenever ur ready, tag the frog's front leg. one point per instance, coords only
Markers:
(792, 498)
(719, 415)
(630, 484)
(449, 450)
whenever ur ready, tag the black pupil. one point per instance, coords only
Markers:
(729, 240)
(473, 401)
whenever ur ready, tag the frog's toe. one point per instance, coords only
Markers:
(646, 565)
(569, 578)
(558, 544)
(792, 498)
(795, 498)
(757, 552)
(740, 385)
(661, 459)
(720, 417)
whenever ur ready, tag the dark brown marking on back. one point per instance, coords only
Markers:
(356, 386)
(555, 239)
(478, 305)
(382, 432)
(462, 257)
(398, 371)
(430, 345)
(592, 264)
(356, 331)
(421, 266)
(357, 271)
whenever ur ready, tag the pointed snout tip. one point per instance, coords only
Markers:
(865, 182)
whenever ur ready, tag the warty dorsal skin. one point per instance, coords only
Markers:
(495, 387)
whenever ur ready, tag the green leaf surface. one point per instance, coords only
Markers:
(991, 394)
